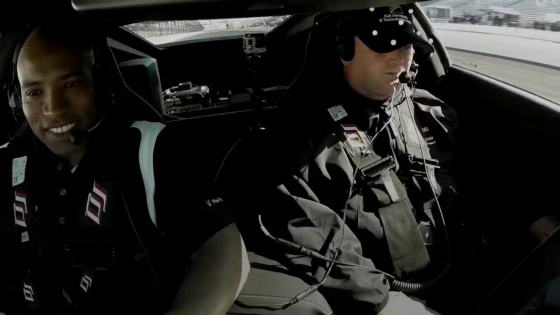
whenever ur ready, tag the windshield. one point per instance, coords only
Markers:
(515, 41)
(169, 32)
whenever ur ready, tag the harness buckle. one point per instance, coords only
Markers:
(374, 169)
(417, 166)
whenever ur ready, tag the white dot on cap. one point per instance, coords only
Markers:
(418, 33)
(431, 40)
(380, 20)
(375, 32)
(410, 11)
(393, 42)
(372, 9)
(401, 22)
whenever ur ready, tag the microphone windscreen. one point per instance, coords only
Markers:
(405, 77)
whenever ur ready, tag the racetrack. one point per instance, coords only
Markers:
(535, 79)
(535, 50)
(529, 63)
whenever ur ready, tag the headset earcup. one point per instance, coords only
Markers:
(11, 100)
(14, 97)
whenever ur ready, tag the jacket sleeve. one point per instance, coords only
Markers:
(299, 211)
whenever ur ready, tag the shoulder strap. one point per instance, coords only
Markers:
(149, 132)
(406, 246)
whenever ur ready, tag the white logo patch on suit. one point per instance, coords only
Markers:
(20, 209)
(86, 283)
(358, 140)
(28, 292)
(25, 237)
(337, 112)
(96, 202)
(18, 170)
(411, 132)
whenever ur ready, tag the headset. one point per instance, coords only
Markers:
(105, 86)
(345, 48)
(12, 87)
(103, 82)
(104, 89)
(408, 77)
(344, 40)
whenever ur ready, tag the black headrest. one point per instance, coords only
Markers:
(127, 100)
(142, 76)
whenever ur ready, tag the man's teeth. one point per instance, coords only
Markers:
(62, 129)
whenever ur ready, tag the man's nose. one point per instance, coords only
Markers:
(398, 57)
(54, 103)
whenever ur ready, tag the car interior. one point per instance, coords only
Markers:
(507, 138)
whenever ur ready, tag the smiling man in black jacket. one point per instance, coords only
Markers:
(82, 228)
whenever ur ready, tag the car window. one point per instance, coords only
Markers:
(515, 41)
(169, 32)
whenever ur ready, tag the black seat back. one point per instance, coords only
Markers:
(142, 76)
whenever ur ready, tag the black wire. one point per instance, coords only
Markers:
(314, 254)
(355, 174)
(305, 293)
(406, 287)
(305, 53)
(448, 246)
(294, 81)
(316, 286)
(225, 159)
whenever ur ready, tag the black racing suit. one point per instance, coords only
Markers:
(301, 187)
(80, 241)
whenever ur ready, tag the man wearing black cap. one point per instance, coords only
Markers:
(355, 174)
(376, 47)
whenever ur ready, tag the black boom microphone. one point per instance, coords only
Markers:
(409, 76)
(78, 136)
(405, 77)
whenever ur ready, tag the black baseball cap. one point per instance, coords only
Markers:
(385, 29)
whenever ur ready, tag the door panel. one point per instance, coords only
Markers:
(508, 167)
